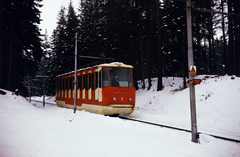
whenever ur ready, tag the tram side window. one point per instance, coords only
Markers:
(89, 81)
(61, 84)
(105, 79)
(65, 84)
(62, 81)
(57, 85)
(70, 83)
(80, 83)
(96, 80)
(100, 79)
(84, 81)
(92, 81)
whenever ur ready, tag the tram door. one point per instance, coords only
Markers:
(89, 85)
(98, 84)
(78, 86)
(62, 86)
(84, 85)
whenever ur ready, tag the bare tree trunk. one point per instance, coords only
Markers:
(10, 70)
(149, 48)
(205, 56)
(213, 51)
(1, 45)
(236, 32)
(142, 60)
(135, 71)
(1, 62)
(224, 40)
(160, 86)
(183, 71)
(198, 50)
(149, 69)
(210, 42)
(230, 54)
(236, 22)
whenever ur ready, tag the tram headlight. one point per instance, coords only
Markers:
(130, 99)
(114, 99)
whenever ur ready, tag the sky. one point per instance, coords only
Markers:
(50, 10)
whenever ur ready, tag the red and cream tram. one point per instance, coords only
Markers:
(106, 89)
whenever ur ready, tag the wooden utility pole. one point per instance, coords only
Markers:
(190, 64)
(75, 75)
(44, 83)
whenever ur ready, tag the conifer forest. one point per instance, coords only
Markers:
(150, 35)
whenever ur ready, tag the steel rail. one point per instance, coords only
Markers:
(42, 102)
(180, 129)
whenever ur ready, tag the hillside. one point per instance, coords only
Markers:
(217, 105)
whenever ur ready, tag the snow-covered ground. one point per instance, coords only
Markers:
(32, 130)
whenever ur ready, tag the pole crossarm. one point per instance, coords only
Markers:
(214, 12)
(92, 57)
(41, 76)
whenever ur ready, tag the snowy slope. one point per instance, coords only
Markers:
(50, 131)
(217, 105)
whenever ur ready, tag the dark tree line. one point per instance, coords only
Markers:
(148, 34)
(20, 43)
(151, 36)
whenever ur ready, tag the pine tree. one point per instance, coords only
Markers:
(88, 32)
(20, 40)
(71, 29)
(59, 40)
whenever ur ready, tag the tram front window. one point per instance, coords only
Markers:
(120, 77)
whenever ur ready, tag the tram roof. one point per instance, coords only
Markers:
(113, 64)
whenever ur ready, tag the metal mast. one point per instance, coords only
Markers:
(75, 75)
(191, 63)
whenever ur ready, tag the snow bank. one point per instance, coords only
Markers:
(33, 130)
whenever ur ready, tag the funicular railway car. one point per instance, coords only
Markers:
(106, 89)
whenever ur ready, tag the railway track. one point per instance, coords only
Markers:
(179, 129)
